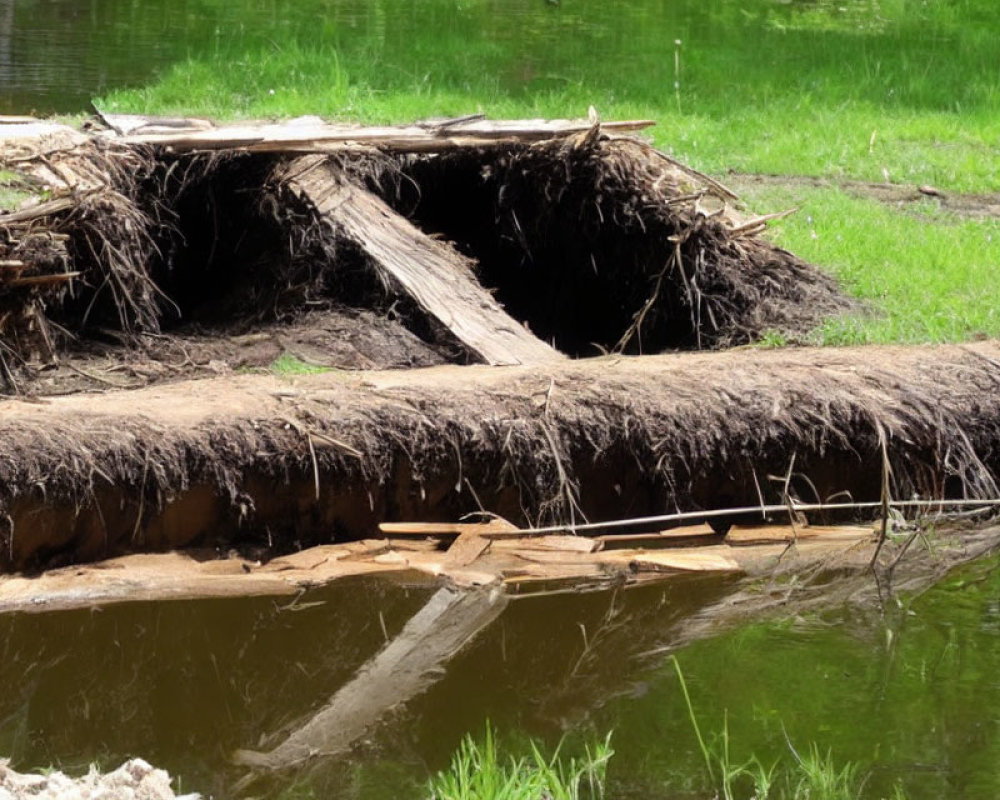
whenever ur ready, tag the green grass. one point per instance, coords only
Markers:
(287, 365)
(478, 772)
(761, 88)
(14, 190)
(859, 90)
(787, 134)
(927, 275)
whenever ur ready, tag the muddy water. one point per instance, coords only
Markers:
(911, 694)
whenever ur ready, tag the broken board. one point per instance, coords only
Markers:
(744, 535)
(432, 273)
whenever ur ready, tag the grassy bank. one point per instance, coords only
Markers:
(873, 91)
(480, 769)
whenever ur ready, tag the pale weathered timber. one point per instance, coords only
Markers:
(313, 135)
(446, 528)
(561, 544)
(758, 534)
(437, 278)
(676, 535)
(407, 666)
(465, 550)
(704, 559)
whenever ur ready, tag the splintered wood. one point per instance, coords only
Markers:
(498, 552)
(494, 553)
(432, 273)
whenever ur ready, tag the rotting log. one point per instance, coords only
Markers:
(414, 660)
(432, 273)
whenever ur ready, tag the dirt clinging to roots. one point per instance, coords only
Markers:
(617, 247)
(256, 460)
(596, 244)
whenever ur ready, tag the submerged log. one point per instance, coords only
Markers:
(413, 661)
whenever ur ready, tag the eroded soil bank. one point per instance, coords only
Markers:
(274, 464)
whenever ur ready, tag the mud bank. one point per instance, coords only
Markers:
(272, 465)
(484, 257)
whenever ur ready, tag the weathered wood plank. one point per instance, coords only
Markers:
(465, 550)
(438, 278)
(445, 528)
(668, 536)
(560, 544)
(707, 559)
(746, 535)
(311, 134)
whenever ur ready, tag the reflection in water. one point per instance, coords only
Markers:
(186, 684)
(412, 661)
(6, 38)
(56, 55)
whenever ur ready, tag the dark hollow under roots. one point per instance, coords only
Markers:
(596, 246)
(613, 247)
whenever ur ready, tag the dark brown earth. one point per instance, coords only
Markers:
(336, 338)
(261, 461)
(146, 305)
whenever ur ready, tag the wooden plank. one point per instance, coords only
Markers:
(432, 273)
(747, 535)
(472, 577)
(414, 545)
(445, 528)
(128, 124)
(562, 544)
(465, 550)
(690, 560)
(559, 557)
(407, 666)
(670, 535)
(534, 573)
(42, 280)
(314, 135)
(40, 210)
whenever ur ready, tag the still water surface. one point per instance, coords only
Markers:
(912, 695)
(56, 55)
